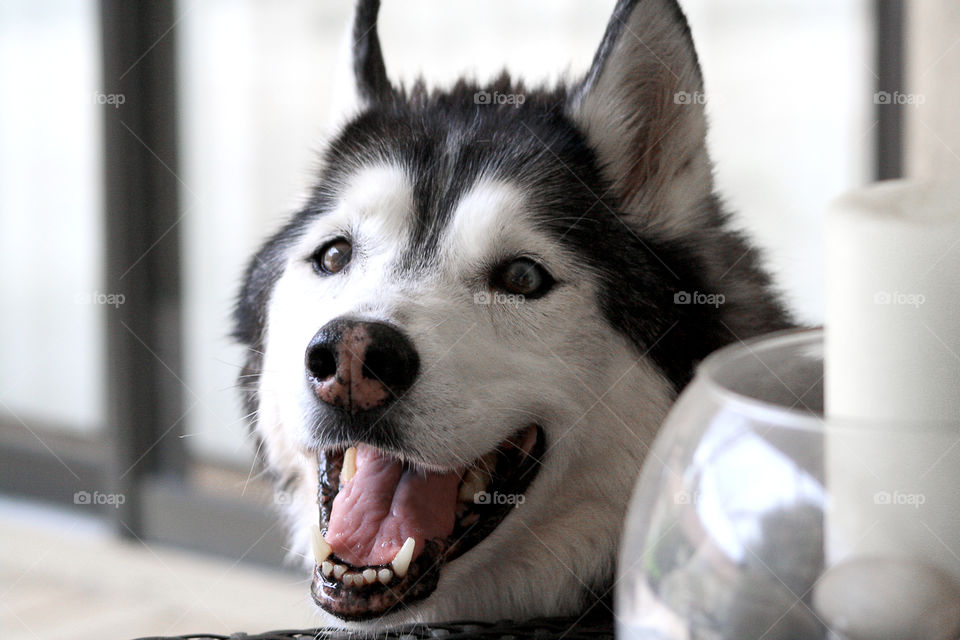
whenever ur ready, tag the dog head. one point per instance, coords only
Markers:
(461, 347)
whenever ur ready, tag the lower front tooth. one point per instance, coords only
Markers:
(369, 576)
(339, 570)
(326, 568)
(384, 575)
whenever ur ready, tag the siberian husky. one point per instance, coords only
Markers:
(462, 346)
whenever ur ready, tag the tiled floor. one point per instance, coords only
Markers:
(65, 578)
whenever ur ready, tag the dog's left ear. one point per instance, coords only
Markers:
(361, 80)
(641, 108)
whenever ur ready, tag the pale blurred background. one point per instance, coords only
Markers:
(790, 87)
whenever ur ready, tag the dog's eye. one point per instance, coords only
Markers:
(525, 277)
(333, 256)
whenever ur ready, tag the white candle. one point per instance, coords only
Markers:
(893, 303)
(892, 386)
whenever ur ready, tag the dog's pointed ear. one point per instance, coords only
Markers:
(369, 71)
(641, 108)
(362, 77)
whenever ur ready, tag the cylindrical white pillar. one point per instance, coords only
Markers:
(893, 303)
(892, 396)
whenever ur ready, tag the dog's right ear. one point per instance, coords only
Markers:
(362, 82)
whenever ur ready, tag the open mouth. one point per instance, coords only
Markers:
(387, 528)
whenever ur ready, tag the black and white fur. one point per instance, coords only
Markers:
(607, 183)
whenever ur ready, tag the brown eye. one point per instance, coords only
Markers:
(333, 256)
(524, 277)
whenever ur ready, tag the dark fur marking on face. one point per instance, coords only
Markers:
(445, 147)
(445, 141)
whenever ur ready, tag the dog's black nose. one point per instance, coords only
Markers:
(357, 366)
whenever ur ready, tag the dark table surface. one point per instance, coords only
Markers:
(541, 629)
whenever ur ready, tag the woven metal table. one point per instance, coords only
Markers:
(540, 629)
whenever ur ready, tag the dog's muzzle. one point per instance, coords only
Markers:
(357, 366)
(387, 524)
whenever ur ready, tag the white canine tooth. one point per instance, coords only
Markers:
(369, 576)
(384, 575)
(474, 482)
(401, 562)
(321, 548)
(349, 467)
(339, 570)
(326, 568)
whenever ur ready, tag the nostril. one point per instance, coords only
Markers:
(382, 365)
(321, 363)
(392, 362)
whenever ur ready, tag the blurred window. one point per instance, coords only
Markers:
(788, 90)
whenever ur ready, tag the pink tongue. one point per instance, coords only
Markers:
(384, 504)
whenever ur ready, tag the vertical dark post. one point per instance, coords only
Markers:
(142, 257)
(890, 69)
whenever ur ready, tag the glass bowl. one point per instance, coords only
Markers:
(754, 517)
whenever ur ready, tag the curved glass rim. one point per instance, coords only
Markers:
(709, 369)
(789, 417)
